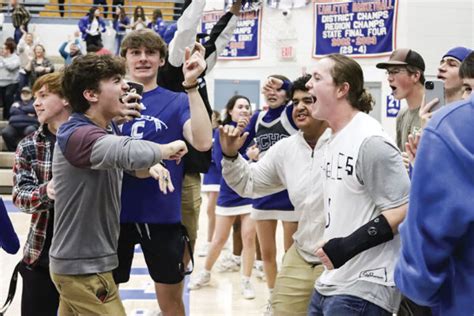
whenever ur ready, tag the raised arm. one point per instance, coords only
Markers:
(185, 35)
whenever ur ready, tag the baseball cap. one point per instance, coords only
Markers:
(458, 52)
(403, 57)
(26, 90)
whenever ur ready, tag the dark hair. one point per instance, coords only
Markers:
(85, 73)
(10, 45)
(122, 15)
(136, 15)
(91, 14)
(466, 70)
(413, 70)
(347, 70)
(217, 115)
(143, 38)
(300, 84)
(156, 14)
(230, 105)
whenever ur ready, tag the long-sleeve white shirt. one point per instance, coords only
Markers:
(293, 165)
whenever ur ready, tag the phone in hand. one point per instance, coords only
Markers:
(135, 87)
(434, 89)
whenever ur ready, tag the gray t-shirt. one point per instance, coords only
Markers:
(408, 122)
(380, 168)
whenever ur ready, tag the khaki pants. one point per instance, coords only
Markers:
(91, 294)
(191, 204)
(294, 284)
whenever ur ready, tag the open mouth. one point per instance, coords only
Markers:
(441, 77)
(393, 88)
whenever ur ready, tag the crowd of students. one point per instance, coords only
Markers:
(372, 225)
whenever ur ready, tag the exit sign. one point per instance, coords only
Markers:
(287, 52)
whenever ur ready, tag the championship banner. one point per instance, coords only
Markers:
(359, 28)
(245, 42)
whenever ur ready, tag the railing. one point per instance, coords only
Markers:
(169, 8)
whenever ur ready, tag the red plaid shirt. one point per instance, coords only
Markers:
(32, 171)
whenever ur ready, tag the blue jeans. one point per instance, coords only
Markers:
(343, 305)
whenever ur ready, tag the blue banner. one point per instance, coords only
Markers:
(245, 42)
(355, 27)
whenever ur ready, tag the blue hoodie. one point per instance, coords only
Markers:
(436, 265)
(8, 238)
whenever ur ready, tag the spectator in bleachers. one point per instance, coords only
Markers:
(91, 27)
(26, 52)
(23, 120)
(40, 65)
(71, 49)
(139, 19)
(20, 19)
(121, 23)
(102, 3)
(9, 75)
(157, 24)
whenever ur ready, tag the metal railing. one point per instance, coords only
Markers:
(76, 10)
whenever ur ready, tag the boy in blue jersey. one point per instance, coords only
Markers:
(148, 216)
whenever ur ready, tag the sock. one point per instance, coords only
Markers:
(245, 279)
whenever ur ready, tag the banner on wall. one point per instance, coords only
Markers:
(359, 28)
(245, 42)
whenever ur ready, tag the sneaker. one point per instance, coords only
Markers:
(259, 273)
(228, 263)
(202, 279)
(268, 309)
(203, 251)
(247, 290)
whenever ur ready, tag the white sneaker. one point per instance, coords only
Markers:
(268, 309)
(228, 263)
(202, 279)
(259, 273)
(247, 290)
(203, 251)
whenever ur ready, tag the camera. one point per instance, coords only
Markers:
(429, 85)
(286, 12)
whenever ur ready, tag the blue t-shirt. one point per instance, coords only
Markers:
(161, 122)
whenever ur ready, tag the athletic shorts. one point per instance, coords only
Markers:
(163, 247)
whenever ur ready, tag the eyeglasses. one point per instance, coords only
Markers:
(393, 72)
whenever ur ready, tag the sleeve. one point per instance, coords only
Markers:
(439, 215)
(255, 179)
(28, 194)
(12, 64)
(62, 50)
(49, 64)
(219, 38)
(186, 32)
(380, 168)
(82, 24)
(8, 238)
(21, 45)
(217, 150)
(91, 147)
(398, 137)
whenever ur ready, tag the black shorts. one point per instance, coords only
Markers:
(163, 247)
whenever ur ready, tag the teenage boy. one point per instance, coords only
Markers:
(364, 201)
(88, 164)
(32, 182)
(405, 74)
(148, 216)
(289, 164)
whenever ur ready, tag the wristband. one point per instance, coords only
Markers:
(232, 158)
(376, 232)
(191, 86)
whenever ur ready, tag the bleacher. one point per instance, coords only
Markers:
(75, 9)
